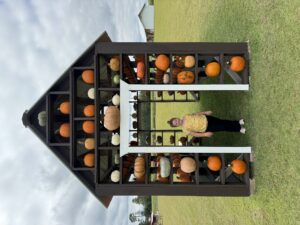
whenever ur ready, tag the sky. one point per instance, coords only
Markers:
(38, 41)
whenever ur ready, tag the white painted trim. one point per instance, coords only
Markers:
(188, 87)
(124, 118)
(187, 149)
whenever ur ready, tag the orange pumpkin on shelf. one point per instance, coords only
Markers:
(214, 163)
(64, 130)
(140, 69)
(64, 107)
(89, 160)
(237, 63)
(88, 127)
(89, 110)
(88, 76)
(238, 166)
(89, 143)
(185, 77)
(213, 69)
(112, 118)
(139, 167)
(162, 62)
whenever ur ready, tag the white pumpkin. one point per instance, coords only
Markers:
(166, 78)
(115, 176)
(115, 139)
(165, 167)
(42, 118)
(91, 93)
(116, 99)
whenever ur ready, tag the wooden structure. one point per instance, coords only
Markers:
(109, 157)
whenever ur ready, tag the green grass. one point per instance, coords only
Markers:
(271, 107)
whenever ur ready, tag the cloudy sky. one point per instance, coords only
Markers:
(38, 41)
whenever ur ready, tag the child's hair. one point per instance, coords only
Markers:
(170, 122)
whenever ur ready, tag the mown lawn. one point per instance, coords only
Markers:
(271, 108)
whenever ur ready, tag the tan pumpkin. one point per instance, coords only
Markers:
(214, 163)
(88, 76)
(185, 77)
(64, 107)
(88, 127)
(213, 69)
(189, 61)
(112, 118)
(64, 130)
(89, 110)
(238, 166)
(188, 165)
(162, 62)
(139, 167)
(89, 143)
(237, 63)
(89, 160)
(114, 64)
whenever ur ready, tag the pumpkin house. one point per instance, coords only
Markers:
(96, 118)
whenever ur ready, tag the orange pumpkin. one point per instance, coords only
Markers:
(214, 163)
(89, 160)
(89, 110)
(140, 69)
(162, 62)
(64, 107)
(88, 76)
(188, 165)
(237, 63)
(112, 118)
(88, 127)
(64, 130)
(139, 167)
(213, 69)
(238, 166)
(185, 77)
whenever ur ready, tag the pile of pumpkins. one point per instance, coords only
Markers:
(114, 65)
(180, 73)
(237, 166)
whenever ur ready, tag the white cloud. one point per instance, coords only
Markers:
(38, 41)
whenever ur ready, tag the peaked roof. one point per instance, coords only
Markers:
(62, 86)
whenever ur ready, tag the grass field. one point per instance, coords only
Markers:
(271, 108)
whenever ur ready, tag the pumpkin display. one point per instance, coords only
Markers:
(238, 166)
(179, 61)
(64, 130)
(89, 160)
(116, 100)
(166, 78)
(115, 139)
(213, 69)
(112, 118)
(162, 62)
(88, 76)
(64, 107)
(91, 93)
(185, 77)
(165, 167)
(88, 127)
(237, 63)
(189, 61)
(42, 118)
(114, 64)
(115, 176)
(139, 167)
(188, 165)
(89, 143)
(214, 163)
(140, 66)
(175, 72)
(89, 110)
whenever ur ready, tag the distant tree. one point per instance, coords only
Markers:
(132, 217)
(144, 223)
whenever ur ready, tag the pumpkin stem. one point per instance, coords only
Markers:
(56, 131)
(80, 142)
